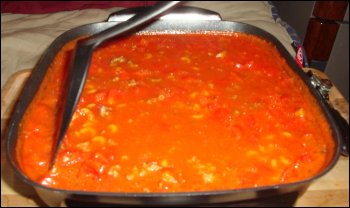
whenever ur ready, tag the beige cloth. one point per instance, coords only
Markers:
(25, 37)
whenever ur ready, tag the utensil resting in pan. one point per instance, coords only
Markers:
(81, 61)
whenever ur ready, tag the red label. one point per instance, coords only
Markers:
(299, 56)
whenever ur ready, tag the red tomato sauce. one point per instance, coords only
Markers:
(174, 113)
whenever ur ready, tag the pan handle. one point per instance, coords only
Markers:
(323, 87)
(179, 13)
(344, 130)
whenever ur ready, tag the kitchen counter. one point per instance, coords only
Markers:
(330, 190)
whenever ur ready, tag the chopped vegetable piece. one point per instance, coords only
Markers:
(117, 60)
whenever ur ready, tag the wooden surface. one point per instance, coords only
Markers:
(322, 29)
(330, 10)
(330, 190)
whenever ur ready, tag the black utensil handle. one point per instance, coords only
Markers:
(344, 130)
(182, 12)
(133, 23)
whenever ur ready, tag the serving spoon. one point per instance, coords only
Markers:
(80, 62)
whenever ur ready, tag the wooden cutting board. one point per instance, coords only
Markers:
(330, 190)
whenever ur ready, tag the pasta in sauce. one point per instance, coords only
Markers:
(175, 113)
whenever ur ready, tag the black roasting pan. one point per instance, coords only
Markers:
(195, 20)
